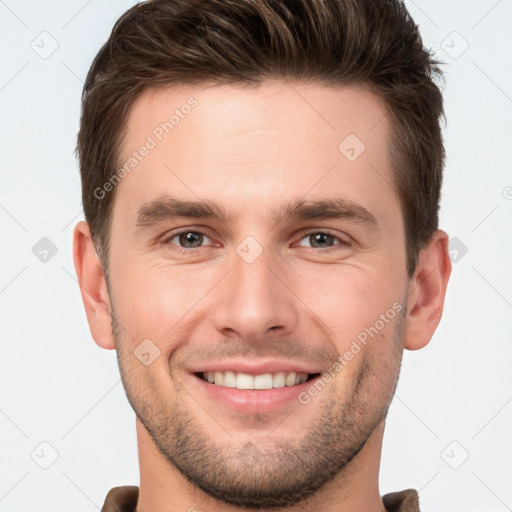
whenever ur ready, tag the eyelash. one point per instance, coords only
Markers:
(167, 241)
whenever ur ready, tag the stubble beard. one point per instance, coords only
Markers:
(253, 476)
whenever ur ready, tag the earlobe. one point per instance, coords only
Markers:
(93, 287)
(427, 291)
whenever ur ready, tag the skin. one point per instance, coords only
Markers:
(250, 150)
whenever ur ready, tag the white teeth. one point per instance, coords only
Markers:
(290, 379)
(279, 380)
(229, 379)
(243, 381)
(219, 378)
(264, 381)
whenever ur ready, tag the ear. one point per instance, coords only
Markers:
(427, 290)
(92, 286)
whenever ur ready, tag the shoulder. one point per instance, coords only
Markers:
(402, 501)
(121, 499)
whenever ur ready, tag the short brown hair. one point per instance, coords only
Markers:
(374, 43)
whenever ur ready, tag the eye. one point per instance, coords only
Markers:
(322, 240)
(187, 239)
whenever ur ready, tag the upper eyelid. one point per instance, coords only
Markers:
(174, 234)
(324, 231)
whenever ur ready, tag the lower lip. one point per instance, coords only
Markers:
(254, 400)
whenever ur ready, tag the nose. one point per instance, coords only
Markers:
(255, 299)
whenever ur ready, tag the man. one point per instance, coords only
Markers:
(296, 147)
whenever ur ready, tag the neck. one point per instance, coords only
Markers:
(164, 489)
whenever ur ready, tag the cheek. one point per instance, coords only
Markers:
(346, 299)
(156, 300)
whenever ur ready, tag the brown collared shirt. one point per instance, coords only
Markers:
(124, 499)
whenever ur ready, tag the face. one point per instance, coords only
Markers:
(257, 242)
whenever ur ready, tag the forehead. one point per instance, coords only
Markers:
(276, 139)
(295, 108)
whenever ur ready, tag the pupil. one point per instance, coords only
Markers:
(320, 237)
(192, 238)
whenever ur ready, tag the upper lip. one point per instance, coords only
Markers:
(253, 367)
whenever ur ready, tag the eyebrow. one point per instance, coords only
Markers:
(168, 208)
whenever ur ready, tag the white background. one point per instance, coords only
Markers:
(454, 398)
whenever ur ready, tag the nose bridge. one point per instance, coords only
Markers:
(253, 299)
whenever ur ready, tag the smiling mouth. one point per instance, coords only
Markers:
(239, 380)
